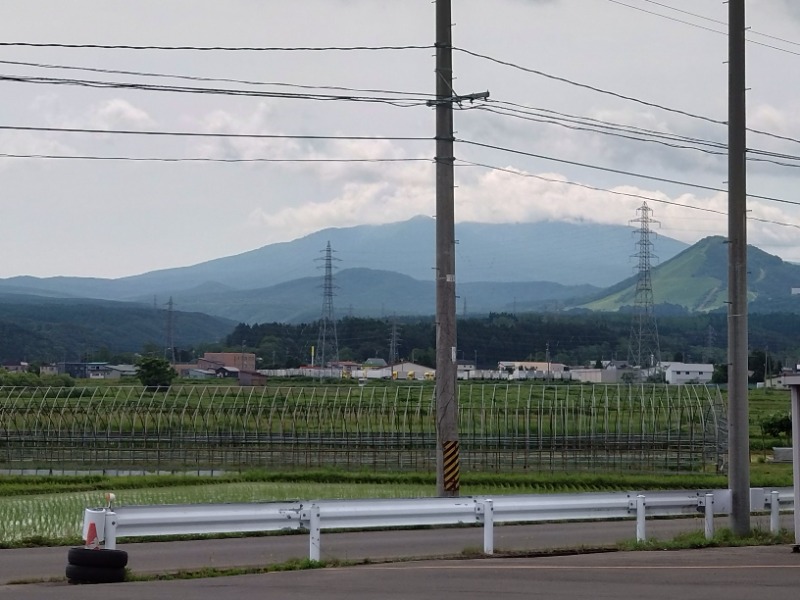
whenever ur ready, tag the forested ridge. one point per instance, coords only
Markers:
(573, 339)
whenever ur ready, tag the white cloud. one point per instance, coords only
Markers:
(117, 114)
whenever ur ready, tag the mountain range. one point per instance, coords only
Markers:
(378, 270)
(383, 270)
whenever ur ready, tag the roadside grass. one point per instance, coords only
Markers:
(294, 564)
(722, 538)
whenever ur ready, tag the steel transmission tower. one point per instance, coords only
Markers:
(644, 350)
(169, 351)
(327, 341)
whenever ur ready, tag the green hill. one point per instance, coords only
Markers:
(57, 329)
(697, 278)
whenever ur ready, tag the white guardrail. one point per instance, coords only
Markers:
(110, 523)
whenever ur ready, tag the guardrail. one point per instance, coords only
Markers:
(110, 523)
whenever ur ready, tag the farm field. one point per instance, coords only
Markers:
(503, 427)
(302, 442)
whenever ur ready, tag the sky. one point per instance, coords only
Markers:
(595, 107)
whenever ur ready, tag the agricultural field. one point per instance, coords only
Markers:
(503, 427)
(333, 441)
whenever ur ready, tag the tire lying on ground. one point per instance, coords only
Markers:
(91, 565)
(84, 574)
(92, 557)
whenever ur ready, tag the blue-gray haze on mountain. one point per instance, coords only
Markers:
(564, 253)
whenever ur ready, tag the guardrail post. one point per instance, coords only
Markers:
(709, 516)
(641, 534)
(774, 512)
(111, 530)
(314, 533)
(488, 526)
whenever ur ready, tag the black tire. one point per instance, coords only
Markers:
(89, 557)
(82, 574)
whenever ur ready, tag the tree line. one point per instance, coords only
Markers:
(574, 339)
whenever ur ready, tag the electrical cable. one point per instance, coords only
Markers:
(214, 160)
(617, 192)
(216, 48)
(212, 134)
(619, 171)
(211, 79)
(399, 102)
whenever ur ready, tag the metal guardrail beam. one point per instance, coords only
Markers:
(110, 523)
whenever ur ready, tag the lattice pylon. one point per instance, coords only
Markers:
(644, 350)
(327, 341)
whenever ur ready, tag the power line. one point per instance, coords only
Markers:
(615, 94)
(618, 171)
(400, 102)
(588, 87)
(216, 48)
(719, 22)
(211, 134)
(213, 160)
(578, 123)
(617, 192)
(207, 79)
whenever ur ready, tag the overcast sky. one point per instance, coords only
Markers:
(635, 69)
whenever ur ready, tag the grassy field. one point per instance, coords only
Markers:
(49, 510)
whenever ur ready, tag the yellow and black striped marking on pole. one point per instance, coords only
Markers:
(452, 469)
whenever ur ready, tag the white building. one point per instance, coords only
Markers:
(678, 373)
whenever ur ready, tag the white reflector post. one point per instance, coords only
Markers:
(641, 534)
(94, 525)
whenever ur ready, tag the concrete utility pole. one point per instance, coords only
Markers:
(447, 455)
(447, 451)
(738, 413)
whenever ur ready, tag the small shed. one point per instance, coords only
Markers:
(252, 378)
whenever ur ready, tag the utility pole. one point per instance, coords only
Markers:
(169, 351)
(447, 442)
(738, 413)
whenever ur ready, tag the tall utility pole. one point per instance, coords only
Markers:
(327, 341)
(644, 348)
(447, 452)
(738, 413)
(169, 351)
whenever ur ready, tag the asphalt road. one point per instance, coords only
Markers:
(711, 573)
(729, 573)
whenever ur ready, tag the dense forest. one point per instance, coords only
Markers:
(572, 339)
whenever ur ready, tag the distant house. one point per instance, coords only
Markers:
(226, 372)
(84, 370)
(375, 363)
(119, 371)
(252, 378)
(679, 373)
(200, 373)
(48, 370)
(240, 360)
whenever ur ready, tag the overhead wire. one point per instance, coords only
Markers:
(616, 192)
(399, 101)
(709, 29)
(618, 171)
(209, 79)
(218, 48)
(145, 132)
(613, 94)
(676, 141)
(212, 159)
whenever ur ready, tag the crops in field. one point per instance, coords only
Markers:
(60, 516)
(503, 427)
